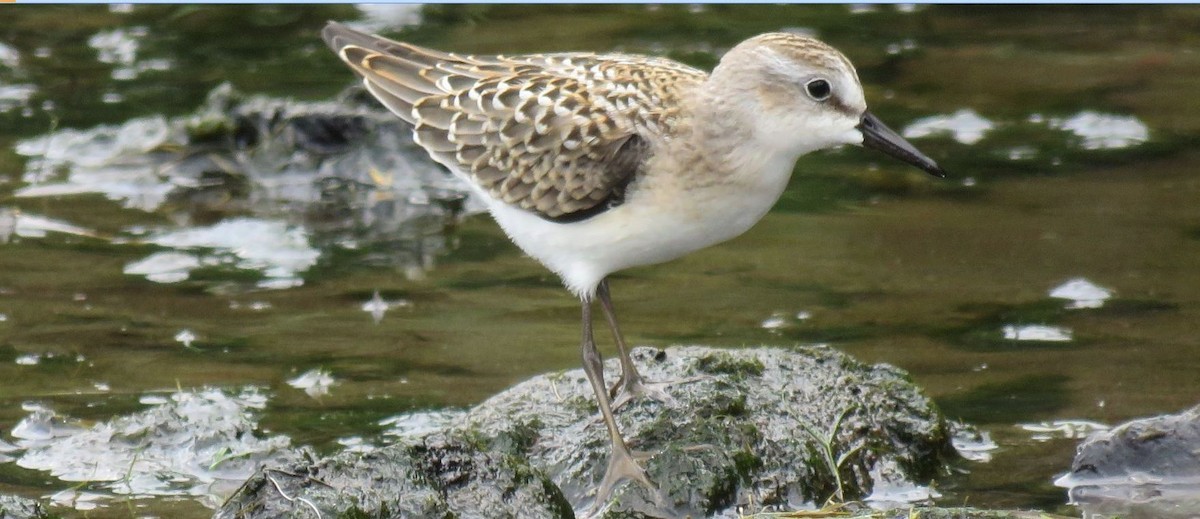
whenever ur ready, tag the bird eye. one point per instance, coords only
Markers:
(818, 89)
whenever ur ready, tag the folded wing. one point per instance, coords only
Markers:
(560, 135)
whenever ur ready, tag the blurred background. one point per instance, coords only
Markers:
(202, 218)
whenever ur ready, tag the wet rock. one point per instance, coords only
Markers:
(201, 444)
(749, 431)
(13, 507)
(955, 513)
(1145, 468)
(439, 476)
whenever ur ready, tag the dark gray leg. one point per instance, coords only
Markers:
(621, 464)
(630, 384)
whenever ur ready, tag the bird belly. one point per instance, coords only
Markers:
(653, 227)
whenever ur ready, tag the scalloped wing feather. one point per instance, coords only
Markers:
(557, 134)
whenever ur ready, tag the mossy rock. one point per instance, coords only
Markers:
(774, 427)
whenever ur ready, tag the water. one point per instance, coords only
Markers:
(1049, 282)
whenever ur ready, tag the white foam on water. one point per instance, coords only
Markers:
(1082, 293)
(1101, 131)
(164, 267)
(965, 126)
(192, 443)
(314, 382)
(1037, 333)
(1062, 429)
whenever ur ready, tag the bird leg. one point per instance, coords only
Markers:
(621, 463)
(630, 384)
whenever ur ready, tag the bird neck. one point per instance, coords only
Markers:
(722, 137)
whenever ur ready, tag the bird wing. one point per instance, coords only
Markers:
(560, 135)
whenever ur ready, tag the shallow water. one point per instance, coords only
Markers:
(1046, 289)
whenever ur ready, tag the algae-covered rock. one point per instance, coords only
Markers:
(746, 431)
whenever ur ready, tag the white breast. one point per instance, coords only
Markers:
(662, 221)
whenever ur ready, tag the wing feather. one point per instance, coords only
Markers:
(398, 100)
(560, 135)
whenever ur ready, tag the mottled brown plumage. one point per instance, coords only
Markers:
(555, 134)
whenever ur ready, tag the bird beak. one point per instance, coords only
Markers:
(877, 135)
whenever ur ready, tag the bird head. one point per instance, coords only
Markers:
(807, 96)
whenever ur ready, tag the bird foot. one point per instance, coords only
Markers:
(628, 388)
(622, 465)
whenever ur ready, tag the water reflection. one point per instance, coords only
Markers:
(1104, 131)
(116, 161)
(387, 17)
(294, 218)
(1063, 429)
(14, 96)
(186, 337)
(887, 495)
(1082, 294)
(279, 252)
(1036, 332)
(120, 47)
(418, 424)
(15, 223)
(377, 306)
(315, 382)
(973, 444)
(316, 176)
(14, 93)
(164, 267)
(189, 443)
(965, 126)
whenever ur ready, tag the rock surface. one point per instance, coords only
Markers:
(754, 430)
(1144, 468)
(952, 513)
(13, 507)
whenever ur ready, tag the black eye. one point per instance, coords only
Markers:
(818, 89)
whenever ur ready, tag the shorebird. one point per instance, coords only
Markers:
(594, 163)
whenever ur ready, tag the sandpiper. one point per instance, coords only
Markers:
(593, 163)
